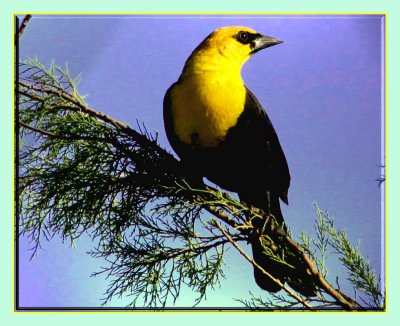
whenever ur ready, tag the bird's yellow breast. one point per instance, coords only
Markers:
(204, 107)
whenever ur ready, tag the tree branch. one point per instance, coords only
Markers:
(346, 302)
(221, 215)
(23, 25)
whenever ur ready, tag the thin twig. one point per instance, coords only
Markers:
(32, 96)
(277, 281)
(23, 25)
(220, 214)
(102, 116)
(40, 131)
(70, 138)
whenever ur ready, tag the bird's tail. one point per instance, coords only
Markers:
(276, 258)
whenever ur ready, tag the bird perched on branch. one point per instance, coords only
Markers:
(220, 131)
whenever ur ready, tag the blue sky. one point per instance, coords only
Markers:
(322, 89)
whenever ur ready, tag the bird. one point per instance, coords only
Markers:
(220, 131)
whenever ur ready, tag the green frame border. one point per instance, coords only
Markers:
(99, 310)
(388, 8)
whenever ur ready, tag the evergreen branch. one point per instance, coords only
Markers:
(147, 266)
(282, 303)
(109, 203)
(360, 272)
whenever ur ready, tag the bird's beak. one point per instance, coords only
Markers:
(263, 42)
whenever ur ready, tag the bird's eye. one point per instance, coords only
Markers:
(243, 37)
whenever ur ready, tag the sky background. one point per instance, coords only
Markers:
(322, 89)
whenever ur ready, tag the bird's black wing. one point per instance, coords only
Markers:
(262, 159)
(168, 119)
(271, 167)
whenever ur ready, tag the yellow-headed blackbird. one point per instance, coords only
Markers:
(219, 129)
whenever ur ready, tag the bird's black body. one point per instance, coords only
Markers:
(248, 159)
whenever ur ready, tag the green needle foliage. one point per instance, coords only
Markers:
(360, 274)
(158, 229)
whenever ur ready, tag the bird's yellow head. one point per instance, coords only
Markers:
(232, 45)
